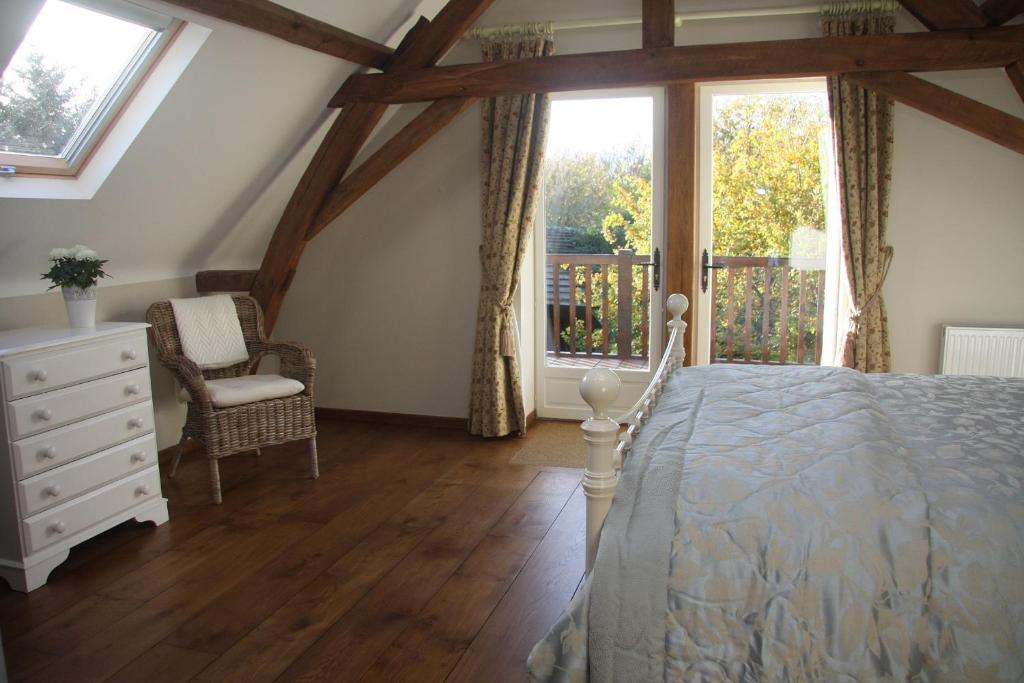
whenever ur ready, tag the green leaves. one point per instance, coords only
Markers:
(73, 272)
(767, 172)
(39, 109)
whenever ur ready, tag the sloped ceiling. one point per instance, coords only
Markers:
(206, 181)
(242, 107)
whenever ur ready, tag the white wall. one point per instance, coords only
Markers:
(387, 295)
(957, 225)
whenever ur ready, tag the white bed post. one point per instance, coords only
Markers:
(677, 305)
(599, 388)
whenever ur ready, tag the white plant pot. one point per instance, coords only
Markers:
(81, 305)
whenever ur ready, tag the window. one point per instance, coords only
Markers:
(599, 231)
(769, 225)
(75, 69)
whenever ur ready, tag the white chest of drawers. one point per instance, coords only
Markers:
(77, 450)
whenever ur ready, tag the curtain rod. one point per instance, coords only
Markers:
(680, 18)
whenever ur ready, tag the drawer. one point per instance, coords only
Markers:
(64, 521)
(62, 445)
(44, 371)
(55, 408)
(68, 481)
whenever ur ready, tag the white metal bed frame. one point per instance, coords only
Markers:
(607, 449)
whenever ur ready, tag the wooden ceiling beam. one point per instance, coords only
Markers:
(999, 12)
(659, 23)
(971, 115)
(426, 43)
(938, 15)
(208, 281)
(396, 150)
(951, 14)
(273, 19)
(932, 51)
(1016, 74)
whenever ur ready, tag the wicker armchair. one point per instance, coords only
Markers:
(247, 427)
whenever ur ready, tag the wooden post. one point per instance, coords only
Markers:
(681, 257)
(625, 336)
(588, 283)
(599, 388)
(572, 307)
(556, 308)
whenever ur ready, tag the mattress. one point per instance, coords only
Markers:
(809, 524)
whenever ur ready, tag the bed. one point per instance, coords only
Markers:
(798, 524)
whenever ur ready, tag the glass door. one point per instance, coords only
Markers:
(598, 291)
(769, 240)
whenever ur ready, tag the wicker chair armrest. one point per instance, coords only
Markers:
(190, 377)
(297, 361)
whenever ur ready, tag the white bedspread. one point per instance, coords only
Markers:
(809, 524)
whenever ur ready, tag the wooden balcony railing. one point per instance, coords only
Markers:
(765, 310)
(600, 311)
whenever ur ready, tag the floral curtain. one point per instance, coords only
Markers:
(863, 125)
(514, 135)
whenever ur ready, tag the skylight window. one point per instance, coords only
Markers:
(75, 68)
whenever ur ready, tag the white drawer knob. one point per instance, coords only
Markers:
(142, 490)
(58, 527)
(138, 457)
(53, 490)
(129, 354)
(49, 453)
(135, 423)
(44, 414)
(132, 389)
(39, 375)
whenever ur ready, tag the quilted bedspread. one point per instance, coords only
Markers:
(809, 524)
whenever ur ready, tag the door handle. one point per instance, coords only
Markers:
(656, 262)
(705, 266)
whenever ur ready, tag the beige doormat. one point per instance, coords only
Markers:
(553, 444)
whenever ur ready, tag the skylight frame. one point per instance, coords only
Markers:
(94, 129)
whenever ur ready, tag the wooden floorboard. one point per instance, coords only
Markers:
(420, 554)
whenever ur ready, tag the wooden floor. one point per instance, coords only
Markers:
(419, 555)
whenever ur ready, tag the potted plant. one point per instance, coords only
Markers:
(76, 271)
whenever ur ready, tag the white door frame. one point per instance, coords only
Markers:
(705, 198)
(557, 389)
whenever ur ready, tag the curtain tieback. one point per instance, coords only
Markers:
(855, 316)
(507, 339)
(849, 348)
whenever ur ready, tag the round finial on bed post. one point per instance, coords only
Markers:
(599, 388)
(677, 304)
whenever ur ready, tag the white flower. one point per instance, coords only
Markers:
(58, 253)
(80, 252)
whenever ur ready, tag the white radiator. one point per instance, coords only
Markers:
(997, 351)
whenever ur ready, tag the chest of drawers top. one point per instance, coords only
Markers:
(38, 338)
(36, 360)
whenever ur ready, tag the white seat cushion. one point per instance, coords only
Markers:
(235, 391)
